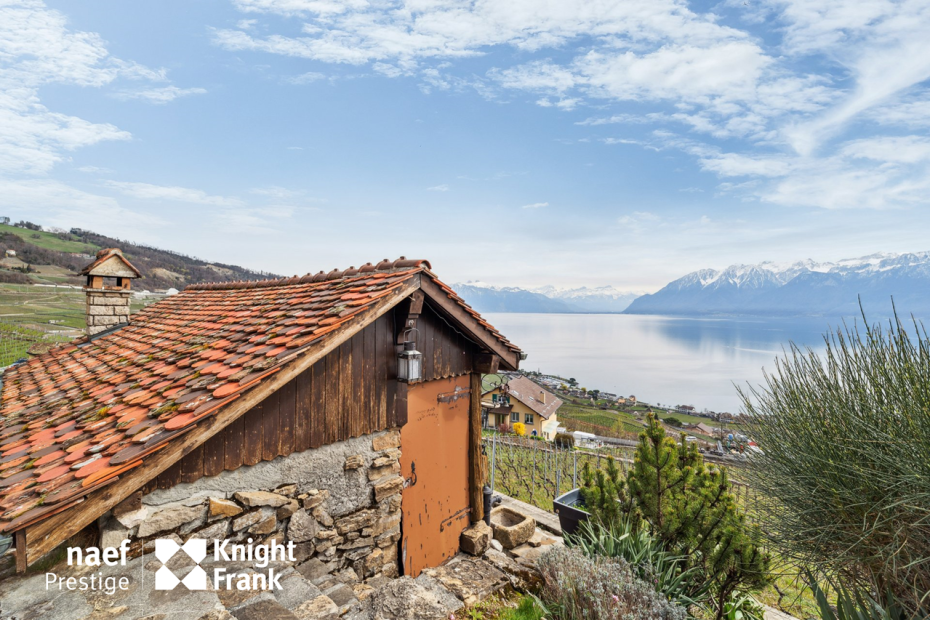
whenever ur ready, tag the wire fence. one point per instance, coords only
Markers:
(17, 341)
(536, 471)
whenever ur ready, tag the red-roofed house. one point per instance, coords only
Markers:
(259, 409)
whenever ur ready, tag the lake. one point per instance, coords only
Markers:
(660, 360)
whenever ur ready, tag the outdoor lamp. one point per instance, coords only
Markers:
(410, 361)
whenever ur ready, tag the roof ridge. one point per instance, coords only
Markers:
(385, 266)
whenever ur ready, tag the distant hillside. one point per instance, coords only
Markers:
(55, 256)
(802, 288)
(486, 298)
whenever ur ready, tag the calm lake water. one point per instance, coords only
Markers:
(665, 360)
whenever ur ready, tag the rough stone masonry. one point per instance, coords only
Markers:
(340, 504)
(106, 308)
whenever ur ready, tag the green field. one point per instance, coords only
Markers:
(49, 241)
(46, 307)
(41, 307)
(16, 341)
(600, 417)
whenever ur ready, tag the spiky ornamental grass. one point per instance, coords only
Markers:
(845, 475)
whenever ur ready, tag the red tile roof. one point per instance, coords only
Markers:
(74, 419)
(529, 393)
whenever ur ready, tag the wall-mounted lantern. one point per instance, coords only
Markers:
(410, 361)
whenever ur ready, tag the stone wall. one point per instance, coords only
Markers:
(105, 309)
(340, 504)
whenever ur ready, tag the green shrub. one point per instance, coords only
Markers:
(672, 421)
(578, 587)
(649, 560)
(844, 478)
(564, 441)
(856, 606)
(742, 607)
(689, 509)
(603, 493)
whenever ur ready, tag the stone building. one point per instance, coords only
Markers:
(338, 411)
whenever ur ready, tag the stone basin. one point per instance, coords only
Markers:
(511, 528)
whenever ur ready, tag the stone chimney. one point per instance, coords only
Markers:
(107, 290)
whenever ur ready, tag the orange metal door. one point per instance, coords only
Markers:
(434, 464)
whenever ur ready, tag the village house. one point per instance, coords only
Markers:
(339, 411)
(521, 400)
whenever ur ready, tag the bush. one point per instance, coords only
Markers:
(603, 493)
(647, 557)
(743, 607)
(689, 508)
(855, 606)
(565, 441)
(577, 587)
(844, 478)
(519, 429)
(672, 421)
(503, 428)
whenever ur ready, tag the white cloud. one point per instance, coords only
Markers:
(889, 149)
(298, 7)
(883, 46)
(639, 221)
(66, 206)
(783, 114)
(438, 188)
(147, 191)
(536, 205)
(37, 48)
(159, 96)
(307, 78)
(735, 165)
(94, 170)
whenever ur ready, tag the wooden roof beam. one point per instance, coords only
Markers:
(510, 359)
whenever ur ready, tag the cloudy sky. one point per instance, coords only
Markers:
(528, 142)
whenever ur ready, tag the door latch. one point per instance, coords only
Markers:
(412, 480)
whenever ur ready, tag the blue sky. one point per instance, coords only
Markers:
(569, 142)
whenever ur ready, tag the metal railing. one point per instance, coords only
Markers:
(537, 471)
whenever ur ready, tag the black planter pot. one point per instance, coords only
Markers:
(570, 509)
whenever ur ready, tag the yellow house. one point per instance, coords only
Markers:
(521, 400)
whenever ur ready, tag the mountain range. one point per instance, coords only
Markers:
(802, 288)
(486, 298)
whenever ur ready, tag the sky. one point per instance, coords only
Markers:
(519, 143)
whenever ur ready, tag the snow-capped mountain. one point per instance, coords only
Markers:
(585, 299)
(802, 288)
(486, 298)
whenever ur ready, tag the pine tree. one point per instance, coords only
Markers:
(689, 507)
(603, 492)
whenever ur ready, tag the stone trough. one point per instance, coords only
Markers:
(511, 528)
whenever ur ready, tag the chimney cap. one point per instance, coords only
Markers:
(110, 262)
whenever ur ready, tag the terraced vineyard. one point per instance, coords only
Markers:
(598, 421)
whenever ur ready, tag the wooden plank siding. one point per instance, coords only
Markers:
(349, 393)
